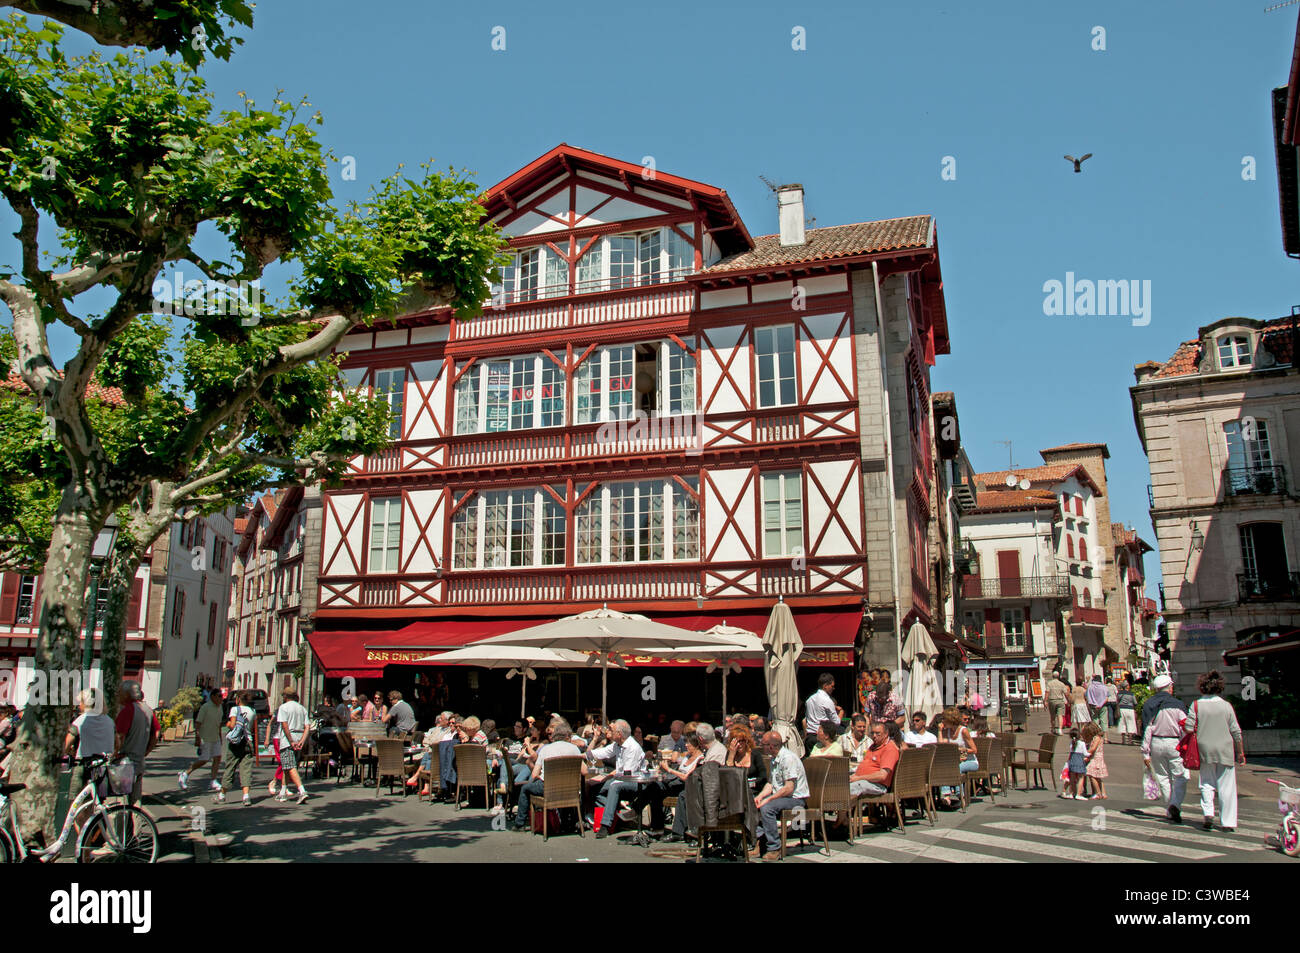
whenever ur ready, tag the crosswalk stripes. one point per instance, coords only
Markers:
(914, 848)
(1189, 834)
(1099, 839)
(1192, 819)
(1055, 850)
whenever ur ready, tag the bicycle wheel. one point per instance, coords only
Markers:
(122, 834)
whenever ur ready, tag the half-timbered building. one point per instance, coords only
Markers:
(658, 412)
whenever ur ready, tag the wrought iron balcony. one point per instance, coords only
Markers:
(1279, 587)
(1254, 481)
(1151, 496)
(1013, 587)
(1160, 588)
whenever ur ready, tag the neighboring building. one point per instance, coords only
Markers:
(1220, 424)
(194, 598)
(262, 650)
(1036, 531)
(1135, 614)
(660, 413)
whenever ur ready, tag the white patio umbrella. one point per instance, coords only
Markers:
(923, 691)
(723, 655)
(605, 631)
(521, 660)
(782, 647)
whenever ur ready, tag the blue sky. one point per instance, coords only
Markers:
(863, 118)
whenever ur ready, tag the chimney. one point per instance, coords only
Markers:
(789, 200)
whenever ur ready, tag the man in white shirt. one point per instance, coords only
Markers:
(820, 707)
(292, 718)
(786, 789)
(90, 734)
(714, 750)
(855, 741)
(919, 736)
(560, 746)
(628, 758)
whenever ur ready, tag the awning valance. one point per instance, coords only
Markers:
(829, 636)
(1286, 642)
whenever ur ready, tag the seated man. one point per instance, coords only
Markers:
(675, 740)
(854, 742)
(919, 736)
(876, 772)
(714, 750)
(628, 758)
(786, 789)
(561, 746)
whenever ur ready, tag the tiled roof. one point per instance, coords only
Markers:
(1077, 446)
(110, 395)
(835, 241)
(1008, 500)
(1049, 474)
(1276, 338)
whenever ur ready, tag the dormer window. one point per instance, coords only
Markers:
(1234, 351)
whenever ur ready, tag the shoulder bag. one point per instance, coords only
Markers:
(1188, 749)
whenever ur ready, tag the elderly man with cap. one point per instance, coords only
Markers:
(1162, 727)
(137, 731)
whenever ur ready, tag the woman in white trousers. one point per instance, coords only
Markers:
(1219, 738)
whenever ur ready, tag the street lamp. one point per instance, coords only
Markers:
(100, 555)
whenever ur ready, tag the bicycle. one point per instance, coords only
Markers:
(116, 833)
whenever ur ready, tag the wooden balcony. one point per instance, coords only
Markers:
(1084, 615)
(1016, 587)
(519, 319)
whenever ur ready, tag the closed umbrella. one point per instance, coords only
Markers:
(923, 693)
(781, 649)
(521, 660)
(605, 631)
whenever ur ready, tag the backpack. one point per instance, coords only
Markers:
(238, 735)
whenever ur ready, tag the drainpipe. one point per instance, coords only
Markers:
(889, 470)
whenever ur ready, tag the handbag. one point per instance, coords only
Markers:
(1188, 749)
(1150, 788)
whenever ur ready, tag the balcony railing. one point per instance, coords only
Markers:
(1087, 615)
(1010, 587)
(1280, 587)
(531, 316)
(1254, 481)
(1151, 496)
(1160, 588)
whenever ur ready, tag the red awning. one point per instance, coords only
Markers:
(1286, 642)
(828, 635)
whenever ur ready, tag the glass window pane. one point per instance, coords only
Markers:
(467, 400)
(523, 370)
(622, 261)
(498, 396)
(648, 254)
(557, 275)
(591, 268)
(528, 277)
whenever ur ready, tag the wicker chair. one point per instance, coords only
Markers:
(986, 751)
(471, 772)
(431, 777)
(347, 755)
(561, 787)
(945, 771)
(911, 780)
(1027, 759)
(391, 764)
(1008, 739)
(817, 771)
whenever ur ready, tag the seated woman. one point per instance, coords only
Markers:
(953, 731)
(828, 745)
(741, 754)
(674, 785)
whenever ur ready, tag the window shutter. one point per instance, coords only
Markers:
(133, 606)
(993, 628)
(9, 597)
(1009, 571)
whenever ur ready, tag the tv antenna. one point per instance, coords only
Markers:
(1007, 443)
(773, 186)
(1279, 6)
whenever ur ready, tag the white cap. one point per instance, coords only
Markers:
(1161, 682)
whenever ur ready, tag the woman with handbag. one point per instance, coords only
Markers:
(1162, 728)
(1212, 724)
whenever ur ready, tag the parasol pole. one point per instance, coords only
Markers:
(523, 693)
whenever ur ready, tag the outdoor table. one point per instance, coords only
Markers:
(640, 838)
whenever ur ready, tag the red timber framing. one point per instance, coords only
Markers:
(719, 461)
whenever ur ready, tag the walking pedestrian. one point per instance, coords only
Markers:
(207, 741)
(291, 726)
(1095, 760)
(1163, 716)
(1057, 691)
(1096, 696)
(1220, 741)
(238, 748)
(1126, 703)
(91, 733)
(1112, 702)
(1079, 704)
(137, 732)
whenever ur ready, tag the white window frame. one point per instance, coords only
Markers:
(1021, 641)
(388, 547)
(389, 384)
(773, 358)
(1238, 351)
(672, 496)
(657, 256)
(784, 479)
(472, 520)
(473, 386)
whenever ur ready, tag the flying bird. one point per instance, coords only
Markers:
(1079, 161)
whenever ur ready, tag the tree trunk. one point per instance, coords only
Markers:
(57, 662)
(112, 654)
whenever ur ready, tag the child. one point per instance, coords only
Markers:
(1076, 766)
(1095, 738)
